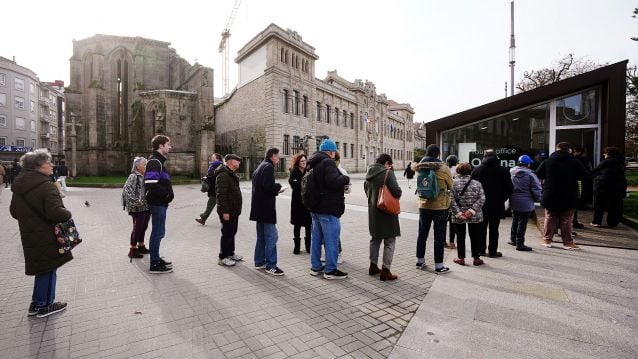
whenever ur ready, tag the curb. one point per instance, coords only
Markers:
(630, 222)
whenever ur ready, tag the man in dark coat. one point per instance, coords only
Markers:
(263, 211)
(497, 185)
(228, 207)
(561, 172)
(215, 161)
(610, 187)
(159, 193)
(37, 205)
(326, 224)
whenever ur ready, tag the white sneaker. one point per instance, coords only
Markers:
(237, 258)
(226, 262)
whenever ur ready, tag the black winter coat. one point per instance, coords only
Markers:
(330, 183)
(299, 214)
(159, 190)
(497, 185)
(37, 205)
(561, 172)
(265, 190)
(228, 192)
(210, 177)
(610, 177)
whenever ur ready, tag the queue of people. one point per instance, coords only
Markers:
(472, 201)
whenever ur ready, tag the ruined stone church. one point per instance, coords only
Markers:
(125, 90)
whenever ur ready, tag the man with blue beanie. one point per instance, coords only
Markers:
(326, 214)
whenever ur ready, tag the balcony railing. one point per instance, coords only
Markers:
(44, 101)
(45, 135)
(45, 118)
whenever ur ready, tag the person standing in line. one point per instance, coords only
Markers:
(433, 209)
(408, 173)
(159, 193)
(63, 173)
(36, 204)
(3, 177)
(526, 190)
(585, 185)
(383, 227)
(497, 185)
(263, 210)
(561, 172)
(467, 207)
(610, 188)
(215, 161)
(299, 214)
(451, 161)
(326, 214)
(229, 203)
(134, 197)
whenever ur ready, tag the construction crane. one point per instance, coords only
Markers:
(223, 46)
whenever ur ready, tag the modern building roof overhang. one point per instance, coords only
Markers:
(611, 80)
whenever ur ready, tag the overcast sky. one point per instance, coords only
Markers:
(442, 57)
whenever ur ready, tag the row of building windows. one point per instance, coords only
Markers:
(299, 104)
(21, 142)
(18, 83)
(298, 145)
(295, 60)
(21, 124)
(399, 155)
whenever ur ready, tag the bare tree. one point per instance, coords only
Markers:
(566, 67)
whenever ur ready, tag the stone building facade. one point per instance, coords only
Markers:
(279, 102)
(124, 91)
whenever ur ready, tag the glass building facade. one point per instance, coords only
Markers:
(575, 118)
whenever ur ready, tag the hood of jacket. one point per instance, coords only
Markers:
(374, 170)
(520, 172)
(428, 162)
(28, 180)
(317, 157)
(491, 161)
(561, 156)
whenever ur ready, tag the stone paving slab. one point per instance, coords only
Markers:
(202, 310)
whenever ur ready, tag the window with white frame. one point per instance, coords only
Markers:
(20, 142)
(19, 84)
(3, 99)
(20, 123)
(32, 89)
(33, 125)
(32, 106)
(3, 121)
(3, 79)
(20, 103)
(3, 140)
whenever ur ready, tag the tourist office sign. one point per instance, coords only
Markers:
(508, 156)
(23, 149)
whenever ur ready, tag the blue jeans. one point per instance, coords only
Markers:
(519, 226)
(326, 229)
(266, 248)
(44, 289)
(426, 217)
(158, 219)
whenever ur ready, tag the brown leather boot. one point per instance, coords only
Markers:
(387, 275)
(374, 269)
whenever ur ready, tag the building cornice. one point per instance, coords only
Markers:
(272, 30)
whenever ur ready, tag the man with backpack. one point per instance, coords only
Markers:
(433, 194)
(216, 161)
(323, 193)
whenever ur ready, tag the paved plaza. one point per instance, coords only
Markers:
(548, 303)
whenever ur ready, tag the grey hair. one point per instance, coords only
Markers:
(137, 161)
(34, 159)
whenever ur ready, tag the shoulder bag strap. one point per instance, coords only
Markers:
(463, 191)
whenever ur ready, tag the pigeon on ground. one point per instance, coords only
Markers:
(86, 203)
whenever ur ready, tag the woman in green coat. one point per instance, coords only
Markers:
(383, 227)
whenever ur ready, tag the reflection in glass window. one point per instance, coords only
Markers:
(579, 109)
(511, 135)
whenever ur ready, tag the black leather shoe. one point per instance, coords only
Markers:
(495, 255)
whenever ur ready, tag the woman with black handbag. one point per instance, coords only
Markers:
(37, 205)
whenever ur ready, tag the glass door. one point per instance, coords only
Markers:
(586, 137)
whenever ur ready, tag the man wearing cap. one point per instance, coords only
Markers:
(497, 184)
(526, 191)
(263, 211)
(433, 209)
(326, 223)
(228, 207)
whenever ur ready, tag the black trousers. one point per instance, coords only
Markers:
(297, 230)
(229, 229)
(612, 203)
(492, 224)
(474, 230)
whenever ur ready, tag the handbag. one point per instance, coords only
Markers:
(387, 202)
(205, 185)
(67, 235)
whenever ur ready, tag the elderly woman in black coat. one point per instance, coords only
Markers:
(610, 186)
(37, 205)
(299, 214)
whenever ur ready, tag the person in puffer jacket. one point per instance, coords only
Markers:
(527, 190)
(468, 198)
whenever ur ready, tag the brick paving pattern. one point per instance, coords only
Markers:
(203, 310)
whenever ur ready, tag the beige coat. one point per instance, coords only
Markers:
(444, 178)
